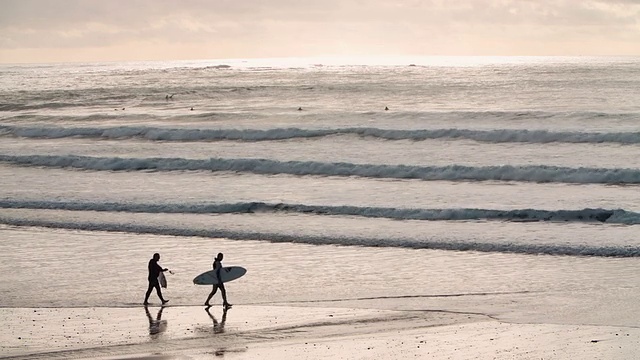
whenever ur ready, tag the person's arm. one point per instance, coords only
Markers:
(160, 269)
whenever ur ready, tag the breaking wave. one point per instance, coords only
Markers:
(617, 216)
(530, 173)
(165, 134)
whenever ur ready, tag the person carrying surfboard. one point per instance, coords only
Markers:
(154, 271)
(217, 266)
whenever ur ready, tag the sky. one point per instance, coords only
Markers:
(36, 31)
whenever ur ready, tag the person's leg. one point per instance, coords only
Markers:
(223, 291)
(157, 286)
(146, 296)
(213, 292)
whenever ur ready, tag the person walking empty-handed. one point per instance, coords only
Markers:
(154, 271)
(217, 266)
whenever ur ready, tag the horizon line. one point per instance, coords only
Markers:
(330, 58)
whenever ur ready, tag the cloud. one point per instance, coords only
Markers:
(302, 27)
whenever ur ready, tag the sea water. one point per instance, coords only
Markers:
(507, 186)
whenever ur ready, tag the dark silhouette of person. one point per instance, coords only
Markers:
(217, 266)
(157, 325)
(154, 272)
(218, 327)
(386, 108)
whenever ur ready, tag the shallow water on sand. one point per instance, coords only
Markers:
(78, 269)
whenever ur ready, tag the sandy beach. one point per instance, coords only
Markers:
(287, 332)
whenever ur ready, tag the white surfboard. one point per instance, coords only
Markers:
(162, 280)
(227, 274)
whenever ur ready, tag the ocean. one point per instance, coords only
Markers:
(507, 186)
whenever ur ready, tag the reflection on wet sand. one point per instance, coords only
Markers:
(218, 327)
(156, 326)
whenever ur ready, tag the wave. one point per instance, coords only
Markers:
(215, 67)
(529, 173)
(547, 249)
(38, 106)
(617, 216)
(165, 134)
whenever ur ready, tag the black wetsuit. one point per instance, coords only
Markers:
(217, 266)
(154, 272)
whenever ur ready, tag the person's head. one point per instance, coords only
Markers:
(156, 256)
(219, 257)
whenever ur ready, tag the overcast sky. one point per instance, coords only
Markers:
(108, 30)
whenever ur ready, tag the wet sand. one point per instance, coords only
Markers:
(288, 332)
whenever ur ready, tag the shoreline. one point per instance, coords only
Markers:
(294, 332)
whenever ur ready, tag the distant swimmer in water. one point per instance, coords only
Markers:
(300, 109)
(191, 109)
(386, 108)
